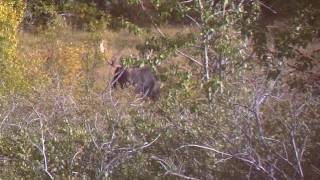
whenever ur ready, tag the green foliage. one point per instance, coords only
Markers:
(11, 70)
(164, 47)
(98, 14)
(87, 16)
(79, 14)
(40, 13)
(299, 26)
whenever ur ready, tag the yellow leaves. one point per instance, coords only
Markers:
(64, 62)
(61, 59)
(11, 72)
(69, 59)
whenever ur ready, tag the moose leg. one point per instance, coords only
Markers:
(146, 93)
(142, 90)
(120, 77)
(155, 91)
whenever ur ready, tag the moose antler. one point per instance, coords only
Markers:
(115, 60)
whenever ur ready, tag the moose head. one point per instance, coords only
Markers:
(141, 78)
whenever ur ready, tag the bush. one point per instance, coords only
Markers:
(40, 14)
(11, 70)
(99, 136)
(84, 15)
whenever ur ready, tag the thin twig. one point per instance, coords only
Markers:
(204, 147)
(189, 57)
(7, 115)
(268, 7)
(296, 152)
(43, 147)
(166, 166)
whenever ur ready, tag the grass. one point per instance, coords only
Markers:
(37, 48)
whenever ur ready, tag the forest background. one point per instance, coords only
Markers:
(240, 86)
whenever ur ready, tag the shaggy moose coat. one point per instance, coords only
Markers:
(142, 79)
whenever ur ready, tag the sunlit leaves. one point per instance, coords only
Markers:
(11, 70)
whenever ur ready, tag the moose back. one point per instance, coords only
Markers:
(141, 78)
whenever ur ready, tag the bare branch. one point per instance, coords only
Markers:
(189, 57)
(194, 20)
(43, 147)
(315, 169)
(268, 7)
(7, 115)
(296, 152)
(168, 170)
(74, 157)
(186, 2)
(204, 147)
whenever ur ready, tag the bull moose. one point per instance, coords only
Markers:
(141, 78)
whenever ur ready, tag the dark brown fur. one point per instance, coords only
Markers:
(142, 79)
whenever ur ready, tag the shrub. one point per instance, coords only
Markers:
(11, 70)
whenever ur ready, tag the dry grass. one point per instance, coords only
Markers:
(36, 48)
